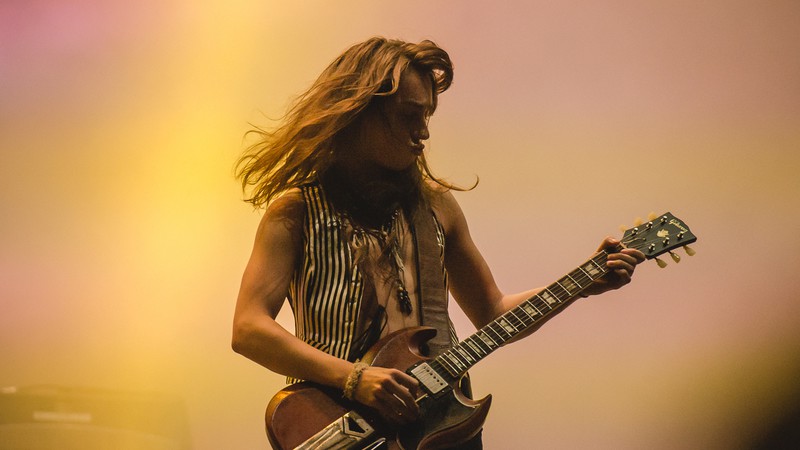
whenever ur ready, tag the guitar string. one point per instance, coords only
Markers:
(465, 354)
(458, 359)
(449, 363)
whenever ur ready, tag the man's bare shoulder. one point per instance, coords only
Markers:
(287, 211)
(446, 207)
(291, 200)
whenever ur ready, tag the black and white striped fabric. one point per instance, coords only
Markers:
(326, 292)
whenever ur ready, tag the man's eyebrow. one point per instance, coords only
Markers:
(427, 106)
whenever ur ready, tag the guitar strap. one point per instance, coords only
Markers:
(432, 295)
(431, 286)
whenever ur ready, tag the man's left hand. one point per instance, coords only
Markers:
(621, 263)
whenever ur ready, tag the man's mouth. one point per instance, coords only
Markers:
(417, 147)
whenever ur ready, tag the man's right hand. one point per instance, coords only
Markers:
(390, 392)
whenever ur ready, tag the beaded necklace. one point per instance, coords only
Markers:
(389, 241)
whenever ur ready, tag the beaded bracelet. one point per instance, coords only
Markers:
(352, 379)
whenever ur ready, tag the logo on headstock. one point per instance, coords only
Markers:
(678, 225)
(662, 233)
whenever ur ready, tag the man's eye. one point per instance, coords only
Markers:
(414, 116)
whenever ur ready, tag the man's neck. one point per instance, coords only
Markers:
(369, 195)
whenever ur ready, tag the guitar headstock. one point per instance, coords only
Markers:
(660, 235)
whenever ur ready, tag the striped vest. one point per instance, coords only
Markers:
(327, 290)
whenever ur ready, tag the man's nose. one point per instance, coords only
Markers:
(422, 133)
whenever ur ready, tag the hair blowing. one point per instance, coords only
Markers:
(303, 145)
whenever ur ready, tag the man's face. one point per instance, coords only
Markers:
(393, 130)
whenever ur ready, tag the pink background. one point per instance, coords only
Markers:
(123, 237)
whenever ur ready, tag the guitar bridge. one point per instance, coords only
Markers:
(349, 432)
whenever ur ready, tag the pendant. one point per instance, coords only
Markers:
(404, 299)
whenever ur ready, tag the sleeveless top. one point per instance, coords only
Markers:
(328, 292)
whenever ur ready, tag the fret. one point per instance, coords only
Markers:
(514, 315)
(558, 283)
(474, 340)
(522, 309)
(595, 269)
(459, 358)
(447, 363)
(540, 305)
(451, 363)
(490, 327)
(558, 295)
(475, 349)
(504, 327)
(591, 270)
(575, 282)
(531, 310)
(585, 275)
(569, 286)
(561, 296)
(487, 339)
(465, 349)
(548, 297)
(507, 326)
(463, 354)
(462, 366)
(437, 366)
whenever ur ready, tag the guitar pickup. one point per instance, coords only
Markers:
(429, 378)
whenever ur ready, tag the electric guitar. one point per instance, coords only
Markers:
(309, 416)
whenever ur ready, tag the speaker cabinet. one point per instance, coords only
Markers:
(69, 418)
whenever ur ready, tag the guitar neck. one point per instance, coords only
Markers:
(455, 362)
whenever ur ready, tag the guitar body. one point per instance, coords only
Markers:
(300, 411)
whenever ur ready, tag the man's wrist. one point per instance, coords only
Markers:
(352, 380)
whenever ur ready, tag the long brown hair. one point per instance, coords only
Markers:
(302, 146)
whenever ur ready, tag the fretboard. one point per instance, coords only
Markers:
(455, 362)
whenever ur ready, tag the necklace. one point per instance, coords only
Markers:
(388, 239)
(402, 293)
(391, 231)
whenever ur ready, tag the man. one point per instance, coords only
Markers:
(352, 210)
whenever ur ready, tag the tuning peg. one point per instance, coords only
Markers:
(623, 228)
(652, 216)
(638, 222)
(661, 263)
(675, 257)
(689, 250)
